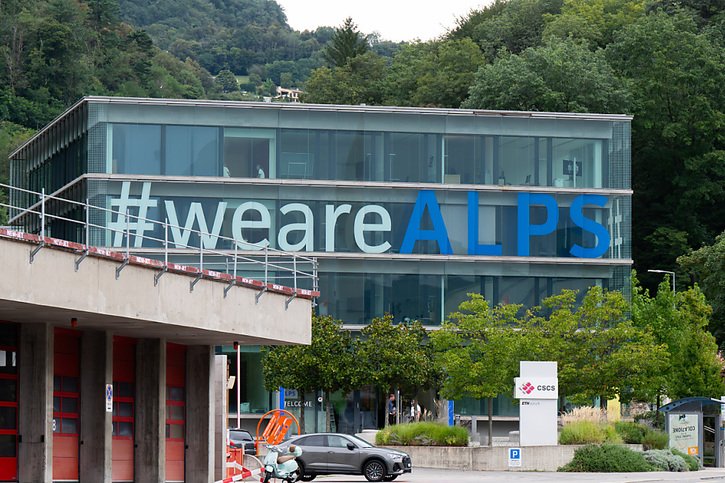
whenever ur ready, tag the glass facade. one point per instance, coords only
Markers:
(406, 210)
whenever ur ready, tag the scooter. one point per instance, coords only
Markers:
(282, 464)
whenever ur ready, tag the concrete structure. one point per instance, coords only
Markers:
(63, 333)
(533, 458)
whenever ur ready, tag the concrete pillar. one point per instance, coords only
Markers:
(221, 395)
(150, 417)
(96, 422)
(35, 419)
(199, 414)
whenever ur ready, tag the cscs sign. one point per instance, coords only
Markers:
(536, 388)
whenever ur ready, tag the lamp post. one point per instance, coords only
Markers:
(674, 289)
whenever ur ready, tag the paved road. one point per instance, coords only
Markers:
(426, 475)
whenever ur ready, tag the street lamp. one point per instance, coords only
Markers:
(674, 289)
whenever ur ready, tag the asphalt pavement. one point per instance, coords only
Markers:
(427, 475)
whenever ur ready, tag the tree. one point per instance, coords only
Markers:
(706, 266)
(432, 73)
(506, 25)
(680, 324)
(391, 355)
(327, 363)
(226, 81)
(599, 351)
(360, 81)
(561, 76)
(596, 21)
(478, 351)
(676, 76)
(346, 43)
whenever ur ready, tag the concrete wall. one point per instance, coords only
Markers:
(533, 458)
(131, 305)
(199, 414)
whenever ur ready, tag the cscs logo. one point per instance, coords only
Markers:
(527, 388)
(536, 388)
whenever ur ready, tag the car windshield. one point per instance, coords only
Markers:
(241, 435)
(360, 442)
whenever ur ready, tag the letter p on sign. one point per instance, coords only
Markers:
(514, 457)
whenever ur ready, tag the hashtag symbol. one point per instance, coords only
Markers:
(137, 221)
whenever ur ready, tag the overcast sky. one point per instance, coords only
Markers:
(396, 20)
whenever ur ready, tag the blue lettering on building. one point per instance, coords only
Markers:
(427, 202)
(426, 199)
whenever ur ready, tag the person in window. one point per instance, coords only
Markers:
(260, 172)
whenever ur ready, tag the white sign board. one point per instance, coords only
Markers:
(684, 434)
(538, 390)
(514, 457)
(109, 398)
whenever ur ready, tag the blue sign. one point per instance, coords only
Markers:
(514, 456)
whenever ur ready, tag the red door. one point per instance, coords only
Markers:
(175, 411)
(8, 402)
(66, 405)
(124, 378)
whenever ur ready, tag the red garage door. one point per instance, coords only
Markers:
(8, 402)
(175, 411)
(124, 378)
(66, 405)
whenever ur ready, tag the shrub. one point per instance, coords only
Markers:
(656, 419)
(606, 458)
(582, 432)
(588, 432)
(654, 439)
(693, 464)
(664, 460)
(423, 434)
(584, 413)
(631, 433)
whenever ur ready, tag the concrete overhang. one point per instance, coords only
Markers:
(50, 290)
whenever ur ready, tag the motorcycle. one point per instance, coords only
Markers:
(280, 463)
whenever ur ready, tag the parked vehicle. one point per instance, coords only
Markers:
(241, 438)
(337, 453)
(279, 462)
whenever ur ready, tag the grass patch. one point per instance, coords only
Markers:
(422, 434)
(607, 458)
(588, 432)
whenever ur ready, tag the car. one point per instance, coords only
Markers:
(241, 438)
(337, 453)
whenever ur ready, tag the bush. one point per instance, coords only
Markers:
(693, 464)
(664, 460)
(607, 458)
(422, 434)
(654, 439)
(631, 433)
(584, 413)
(588, 432)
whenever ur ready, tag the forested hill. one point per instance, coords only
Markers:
(223, 34)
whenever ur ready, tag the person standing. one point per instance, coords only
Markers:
(392, 410)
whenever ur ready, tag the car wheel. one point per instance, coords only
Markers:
(374, 470)
(389, 477)
(303, 476)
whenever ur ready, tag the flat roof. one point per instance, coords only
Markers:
(361, 108)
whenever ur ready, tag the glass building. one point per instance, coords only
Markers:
(406, 210)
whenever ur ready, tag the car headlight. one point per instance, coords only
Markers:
(397, 458)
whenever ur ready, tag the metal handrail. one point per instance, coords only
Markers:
(293, 273)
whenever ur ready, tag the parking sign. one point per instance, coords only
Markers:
(514, 457)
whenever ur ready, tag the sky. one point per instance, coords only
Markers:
(396, 20)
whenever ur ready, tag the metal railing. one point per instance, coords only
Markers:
(285, 266)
